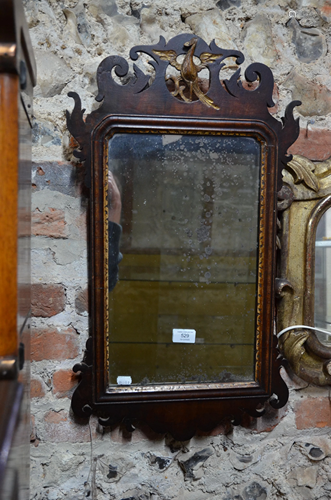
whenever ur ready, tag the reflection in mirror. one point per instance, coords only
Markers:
(182, 275)
(322, 307)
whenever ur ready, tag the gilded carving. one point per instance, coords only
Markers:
(310, 189)
(189, 72)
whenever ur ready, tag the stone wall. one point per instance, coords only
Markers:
(258, 460)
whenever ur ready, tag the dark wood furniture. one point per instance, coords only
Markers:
(17, 77)
(178, 103)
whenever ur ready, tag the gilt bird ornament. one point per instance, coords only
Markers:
(189, 72)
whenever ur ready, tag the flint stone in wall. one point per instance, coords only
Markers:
(71, 26)
(258, 41)
(109, 7)
(226, 4)
(236, 497)
(307, 476)
(190, 466)
(45, 134)
(52, 74)
(149, 26)
(255, 492)
(242, 462)
(31, 13)
(159, 462)
(309, 43)
(316, 99)
(210, 25)
(308, 17)
(90, 71)
(310, 3)
(317, 448)
(54, 176)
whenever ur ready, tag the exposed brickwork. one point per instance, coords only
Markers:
(48, 343)
(315, 144)
(313, 412)
(37, 388)
(71, 39)
(64, 382)
(47, 300)
(49, 223)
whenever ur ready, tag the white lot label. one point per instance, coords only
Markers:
(183, 336)
(124, 380)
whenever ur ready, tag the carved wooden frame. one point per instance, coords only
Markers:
(307, 196)
(225, 107)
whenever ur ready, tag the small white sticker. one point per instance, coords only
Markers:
(124, 380)
(183, 336)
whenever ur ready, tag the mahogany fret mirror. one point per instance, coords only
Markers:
(184, 169)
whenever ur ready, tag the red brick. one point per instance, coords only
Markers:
(59, 427)
(81, 302)
(48, 343)
(315, 146)
(64, 382)
(47, 300)
(50, 223)
(37, 388)
(325, 11)
(55, 417)
(313, 413)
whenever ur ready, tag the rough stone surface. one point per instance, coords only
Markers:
(53, 74)
(286, 453)
(211, 26)
(258, 40)
(226, 4)
(316, 99)
(309, 42)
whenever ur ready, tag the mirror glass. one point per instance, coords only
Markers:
(322, 307)
(183, 310)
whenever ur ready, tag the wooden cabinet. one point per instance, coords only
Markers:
(17, 77)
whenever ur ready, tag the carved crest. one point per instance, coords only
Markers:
(181, 91)
(189, 70)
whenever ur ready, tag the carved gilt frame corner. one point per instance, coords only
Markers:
(306, 197)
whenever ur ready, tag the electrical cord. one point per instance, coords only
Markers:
(302, 327)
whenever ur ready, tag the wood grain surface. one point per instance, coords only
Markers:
(9, 147)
